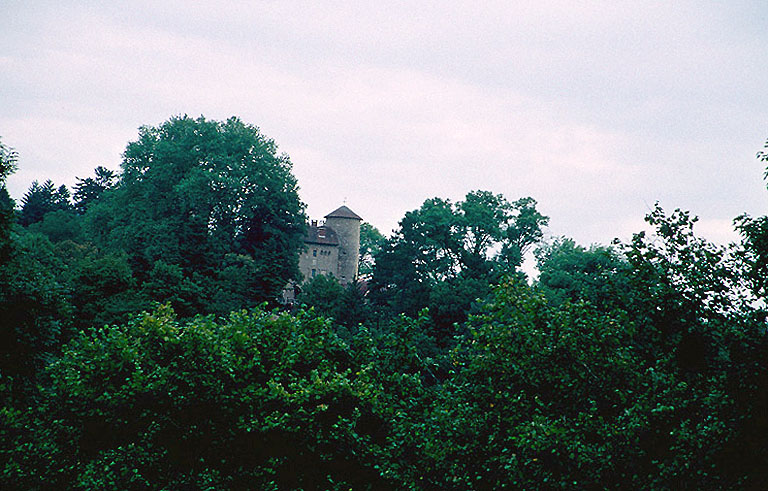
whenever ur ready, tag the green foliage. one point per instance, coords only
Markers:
(540, 396)
(8, 158)
(762, 156)
(91, 189)
(371, 241)
(193, 191)
(106, 290)
(451, 301)
(446, 256)
(587, 385)
(42, 199)
(59, 226)
(260, 400)
(166, 283)
(7, 206)
(328, 298)
(322, 293)
(697, 321)
(34, 309)
(569, 272)
(754, 233)
(526, 231)
(640, 365)
(688, 287)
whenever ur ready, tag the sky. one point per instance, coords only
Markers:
(595, 109)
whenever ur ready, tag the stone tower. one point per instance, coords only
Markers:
(346, 224)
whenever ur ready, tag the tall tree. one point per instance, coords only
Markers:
(371, 241)
(194, 190)
(444, 255)
(42, 199)
(90, 189)
(754, 232)
(34, 309)
(8, 158)
(570, 272)
(260, 400)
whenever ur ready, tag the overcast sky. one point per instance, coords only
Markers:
(596, 109)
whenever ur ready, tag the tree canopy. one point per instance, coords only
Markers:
(192, 192)
(445, 256)
(136, 350)
(41, 199)
(91, 189)
(8, 158)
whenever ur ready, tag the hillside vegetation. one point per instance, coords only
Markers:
(142, 344)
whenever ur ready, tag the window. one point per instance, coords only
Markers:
(314, 272)
(314, 252)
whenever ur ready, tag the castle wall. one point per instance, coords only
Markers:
(348, 232)
(319, 259)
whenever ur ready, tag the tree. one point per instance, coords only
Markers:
(90, 189)
(34, 308)
(371, 241)
(35, 312)
(105, 290)
(42, 199)
(481, 234)
(8, 158)
(192, 191)
(570, 272)
(754, 233)
(697, 320)
(661, 386)
(258, 400)
(538, 399)
(345, 305)
(59, 225)
(524, 232)
(323, 294)
(445, 256)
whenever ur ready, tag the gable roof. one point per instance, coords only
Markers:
(343, 212)
(321, 235)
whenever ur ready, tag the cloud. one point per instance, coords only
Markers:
(597, 110)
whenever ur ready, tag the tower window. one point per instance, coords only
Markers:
(314, 272)
(314, 252)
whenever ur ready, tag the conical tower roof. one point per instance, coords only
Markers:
(343, 212)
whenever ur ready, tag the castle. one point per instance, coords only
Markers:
(331, 248)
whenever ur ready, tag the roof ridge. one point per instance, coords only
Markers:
(343, 212)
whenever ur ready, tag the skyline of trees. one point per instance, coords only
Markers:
(141, 346)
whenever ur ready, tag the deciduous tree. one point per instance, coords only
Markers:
(193, 191)
(445, 256)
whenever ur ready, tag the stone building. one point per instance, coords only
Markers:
(332, 247)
